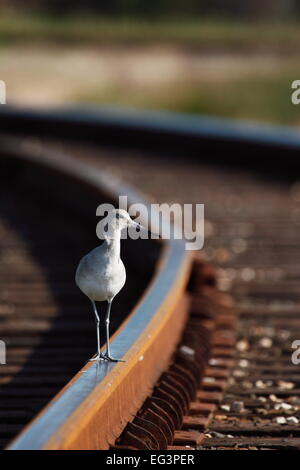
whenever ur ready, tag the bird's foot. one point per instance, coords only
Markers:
(107, 357)
(98, 357)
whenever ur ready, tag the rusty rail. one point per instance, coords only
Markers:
(78, 416)
(92, 410)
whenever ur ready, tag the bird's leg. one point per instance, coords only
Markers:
(99, 355)
(107, 355)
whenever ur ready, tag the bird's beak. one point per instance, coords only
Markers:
(141, 228)
(144, 229)
(136, 225)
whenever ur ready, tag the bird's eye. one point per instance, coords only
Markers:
(117, 216)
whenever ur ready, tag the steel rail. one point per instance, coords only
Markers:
(92, 410)
(78, 418)
(246, 144)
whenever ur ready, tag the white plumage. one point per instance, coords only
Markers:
(101, 273)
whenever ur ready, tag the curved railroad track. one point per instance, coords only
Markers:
(225, 378)
(47, 335)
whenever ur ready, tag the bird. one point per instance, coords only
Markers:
(101, 274)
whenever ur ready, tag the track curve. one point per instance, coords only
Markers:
(252, 235)
(136, 338)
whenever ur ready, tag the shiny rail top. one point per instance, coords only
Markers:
(80, 404)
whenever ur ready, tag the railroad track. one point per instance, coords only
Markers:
(43, 235)
(47, 311)
(225, 379)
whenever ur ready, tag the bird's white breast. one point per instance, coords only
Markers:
(100, 275)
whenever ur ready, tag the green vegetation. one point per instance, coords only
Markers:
(203, 34)
(257, 92)
(265, 99)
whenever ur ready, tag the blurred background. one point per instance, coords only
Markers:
(232, 59)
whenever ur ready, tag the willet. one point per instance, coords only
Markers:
(101, 273)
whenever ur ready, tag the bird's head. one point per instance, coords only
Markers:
(119, 219)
